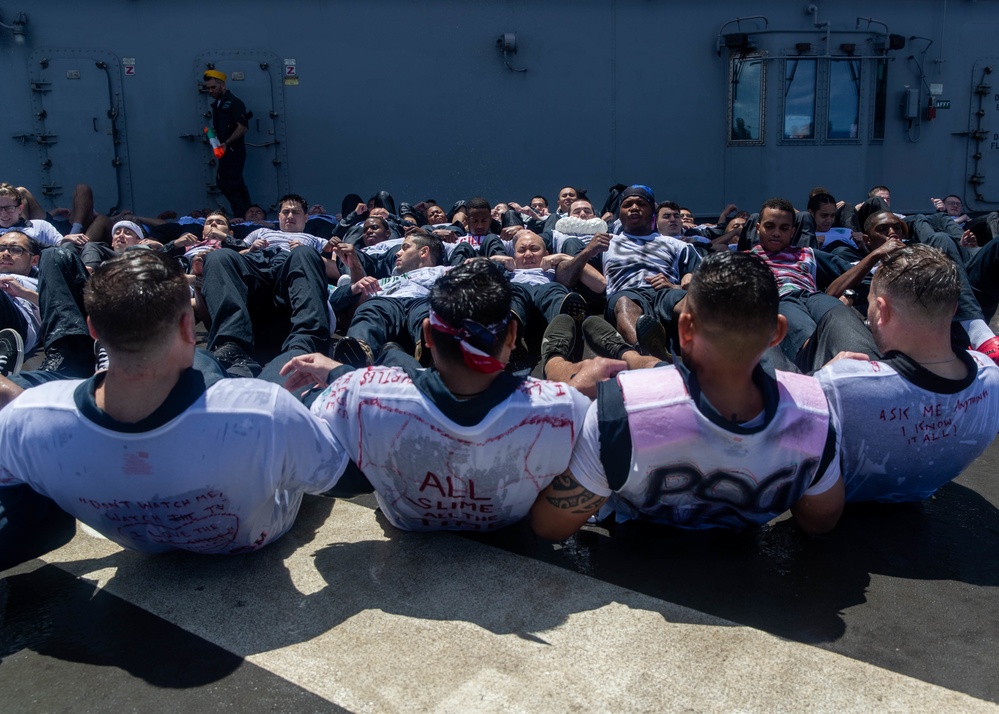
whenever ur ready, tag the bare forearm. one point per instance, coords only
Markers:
(852, 277)
(238, 133)
(569, 272)
(563, 507)
(593, 279)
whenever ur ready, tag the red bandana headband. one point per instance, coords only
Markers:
(474, 358)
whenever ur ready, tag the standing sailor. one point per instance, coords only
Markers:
(229, 119)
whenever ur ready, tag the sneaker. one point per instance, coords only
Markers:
(562, 339)
(990, 348)
(11, 352)
(70, 356)
(573, 305)
(604, 339)
(652, 337)
(101, 360)
(354, 352)
(235, 360)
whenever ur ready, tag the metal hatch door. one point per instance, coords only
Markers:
(257, 78)
(79, 121)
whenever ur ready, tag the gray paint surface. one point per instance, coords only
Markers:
(416, 99)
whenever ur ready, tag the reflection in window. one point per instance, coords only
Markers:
(844, 99)
(880, 98)
(746, 103)
(799, 99)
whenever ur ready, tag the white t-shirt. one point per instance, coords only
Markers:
(906, 431)
(381, 248)
(42, 231)
(414, 284)
(532, 276)
(224, 475)
(432, 472)
(282, 240)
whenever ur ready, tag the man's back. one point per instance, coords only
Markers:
(675, 460)
(906, 431)
(220, 467)
(441, 463)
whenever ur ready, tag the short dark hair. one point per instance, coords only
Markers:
(777, 204)
(422, 239)
(476, 290)
(667, 204)
(477, 202)
(875, 217)
(221, 214)
(734, 293)
(296, 198)
(134, 299)
(543, 199)
(919, 276)
(34, 247)
(818, 200)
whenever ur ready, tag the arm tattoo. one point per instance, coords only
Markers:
(569, 495)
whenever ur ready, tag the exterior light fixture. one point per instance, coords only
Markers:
(16, 27)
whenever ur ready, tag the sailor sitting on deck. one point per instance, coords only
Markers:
(915, 411)
(108, 449)
(464, 445)
(708, 444)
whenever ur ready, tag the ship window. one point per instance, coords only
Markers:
(799, 98)
(819, 100)
(844, 100)
(880, 98)
(747, 76)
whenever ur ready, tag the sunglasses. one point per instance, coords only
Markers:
(885, 228)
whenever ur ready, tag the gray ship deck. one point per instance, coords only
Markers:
(896, 610)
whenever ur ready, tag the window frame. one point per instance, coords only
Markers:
(823, 97)
(761, 57)
(878, 101)
(861, 86)
(816, 108)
